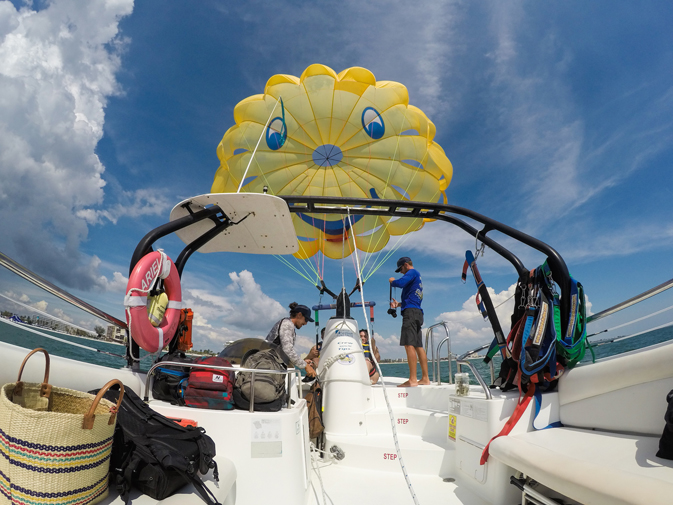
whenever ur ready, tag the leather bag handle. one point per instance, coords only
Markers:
(89, 417)
(45, 388)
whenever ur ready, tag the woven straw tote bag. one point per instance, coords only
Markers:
(55, 443)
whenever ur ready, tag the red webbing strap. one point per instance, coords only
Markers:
(511, 422)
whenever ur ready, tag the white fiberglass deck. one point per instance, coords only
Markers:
(443, 463)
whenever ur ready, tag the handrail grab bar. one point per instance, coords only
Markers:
(475, 350)
(448, 348)
(429, 335)
(476, 373)
(220, 367)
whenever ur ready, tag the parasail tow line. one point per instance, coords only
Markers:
(383, 384)
(260, 139)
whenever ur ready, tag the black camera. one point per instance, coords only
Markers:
(392, 312)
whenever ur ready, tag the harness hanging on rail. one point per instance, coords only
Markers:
(487, 310)
(537, 344)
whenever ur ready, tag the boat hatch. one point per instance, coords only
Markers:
(263, 223)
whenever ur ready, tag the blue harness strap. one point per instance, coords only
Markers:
(538, 403)
(540, 351)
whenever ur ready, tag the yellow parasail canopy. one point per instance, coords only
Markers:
(335, 135)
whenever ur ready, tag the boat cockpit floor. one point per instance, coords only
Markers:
(346, 485)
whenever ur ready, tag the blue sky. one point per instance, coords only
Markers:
(556, 116)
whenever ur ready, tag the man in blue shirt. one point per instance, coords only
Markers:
(412, 319)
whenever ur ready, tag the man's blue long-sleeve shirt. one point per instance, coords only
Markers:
(412, 289)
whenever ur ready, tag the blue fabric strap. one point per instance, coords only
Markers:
(538, 404)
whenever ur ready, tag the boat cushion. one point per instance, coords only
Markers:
(614, 393)
(589, 466)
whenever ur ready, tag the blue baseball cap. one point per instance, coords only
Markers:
(305, 311)
(401, 262)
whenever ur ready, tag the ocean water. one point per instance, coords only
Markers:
(600, 351)
(20, 337)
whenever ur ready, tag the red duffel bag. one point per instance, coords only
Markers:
(210, 388)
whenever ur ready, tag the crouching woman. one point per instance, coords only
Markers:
(284, 334)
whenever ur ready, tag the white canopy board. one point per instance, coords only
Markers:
(267, 229)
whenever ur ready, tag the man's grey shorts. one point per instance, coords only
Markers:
(412, 321)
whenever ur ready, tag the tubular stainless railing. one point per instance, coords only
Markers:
(487, 390)
(429, 337)
(463, 357)
(439, 361)
(254, 371)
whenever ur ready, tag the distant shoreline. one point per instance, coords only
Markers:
(71, 335)
(443, 360)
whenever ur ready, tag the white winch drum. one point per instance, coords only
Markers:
(347, 390)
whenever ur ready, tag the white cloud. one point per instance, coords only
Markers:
(389, 347)
(254, 310)
(117, 284)
(242, 310)
(41, 305)
(466, 326)
(303, 344)
(214, 339)
(138, 203)
(199, 321)
(24, 298)
(57, 70)
(62, 315)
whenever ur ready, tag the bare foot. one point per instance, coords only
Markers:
(407, 384)
(425, 382)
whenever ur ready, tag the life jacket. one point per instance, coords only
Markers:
(367, 351)
(368, 355)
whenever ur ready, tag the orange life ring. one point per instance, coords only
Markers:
(153, 265)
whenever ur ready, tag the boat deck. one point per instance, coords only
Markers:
(354, 485)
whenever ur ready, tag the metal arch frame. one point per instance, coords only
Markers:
(369, 207)
(440, 212)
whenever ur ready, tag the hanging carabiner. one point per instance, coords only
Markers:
(478, 250)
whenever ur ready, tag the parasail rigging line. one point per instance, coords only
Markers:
(291, 267)
(666, 325)
(400, 241)
(258, 141)
(393, 421)
(377, 264)
(266, 181)
(635, 320)
(317, 256)
(392, 164)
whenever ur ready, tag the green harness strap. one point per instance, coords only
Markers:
(572, 349)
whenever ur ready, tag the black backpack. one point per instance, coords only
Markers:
(666, 440)
(170, 381)
(156, 455)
